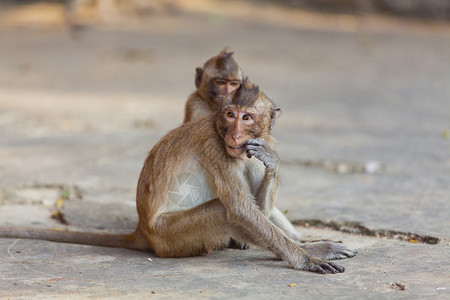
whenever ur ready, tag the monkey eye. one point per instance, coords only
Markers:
(230, 114)
(246, 117)
(220, 82)
(234, 83)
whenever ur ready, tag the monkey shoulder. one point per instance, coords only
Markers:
(193, 98)
(196, 107)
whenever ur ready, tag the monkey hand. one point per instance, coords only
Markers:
(259, 149)
(318, 265)
(328, 250)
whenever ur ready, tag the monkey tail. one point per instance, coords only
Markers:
(134, 240)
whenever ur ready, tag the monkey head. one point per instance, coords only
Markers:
(220, 76)
(244, 115)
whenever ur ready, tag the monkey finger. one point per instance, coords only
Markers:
(316, 269)
(251, 153)
(244, 247)
(329, 268)
(253, 150)
(256, 154)
(336, 267)
(256, 142)
(252, 147)
(349, 252)
(237, 245)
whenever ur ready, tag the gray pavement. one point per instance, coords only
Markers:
(363, 140)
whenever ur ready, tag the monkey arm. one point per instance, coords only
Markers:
(248, 221)
(265, 198)
(270, 184)
(268, 191)
(269, 187)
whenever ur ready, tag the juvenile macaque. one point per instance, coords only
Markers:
(219, 76)
(210, 181)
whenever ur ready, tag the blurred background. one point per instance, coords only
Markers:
(88, 87)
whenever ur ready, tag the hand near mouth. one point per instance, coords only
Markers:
(236, 151)
(259, 149)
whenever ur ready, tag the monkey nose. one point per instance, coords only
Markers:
(236, 140)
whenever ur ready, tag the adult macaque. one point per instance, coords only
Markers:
(219, 76)
(210, 181)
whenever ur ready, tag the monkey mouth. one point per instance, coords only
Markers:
(236, 151)
(237, 147)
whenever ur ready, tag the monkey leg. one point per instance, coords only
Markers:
(191, 232)
(280, 220)
(324, 249)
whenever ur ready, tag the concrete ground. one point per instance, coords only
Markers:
(364, 142)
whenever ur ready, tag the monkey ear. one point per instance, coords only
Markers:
(276, 112)
(198, 76)
(246, 83)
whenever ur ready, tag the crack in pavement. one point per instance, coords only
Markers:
(338, 166)
(357, 228)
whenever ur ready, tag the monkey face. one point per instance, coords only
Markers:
(238, 124)
(219, 76)
(244, 115)
(225, 86)
(221, 86)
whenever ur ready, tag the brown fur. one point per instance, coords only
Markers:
(245, 190)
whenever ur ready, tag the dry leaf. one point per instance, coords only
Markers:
(59, 203)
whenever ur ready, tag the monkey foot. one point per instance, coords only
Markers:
(328, 250)
(237, 245)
